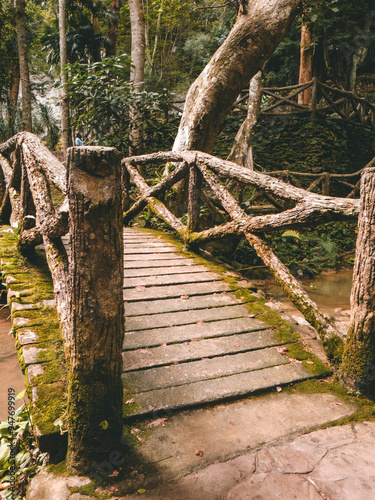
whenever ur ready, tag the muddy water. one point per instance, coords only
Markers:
(331, 292)
(10, 373)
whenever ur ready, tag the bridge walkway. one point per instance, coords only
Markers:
(189, 340)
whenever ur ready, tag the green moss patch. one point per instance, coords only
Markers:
(32, 277)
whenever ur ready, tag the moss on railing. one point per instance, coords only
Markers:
(38, 339)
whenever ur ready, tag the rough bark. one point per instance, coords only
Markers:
(305, 65)
(24, 65)
(257, 32)
(113, 27)
(345, 206)
(241, 152)
(358, 365)
(137, 71)
(194, 192)
(65, 115)
(55, 252)
(42, 157)
(53, 227)
(97, 309)
(297, 217)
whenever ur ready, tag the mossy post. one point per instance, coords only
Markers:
(97, 308)
(358, 365)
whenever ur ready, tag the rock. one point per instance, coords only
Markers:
(27, 336)
(47, 486)
(20, 321)
(33, 371)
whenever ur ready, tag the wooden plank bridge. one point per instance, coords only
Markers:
(189, 341)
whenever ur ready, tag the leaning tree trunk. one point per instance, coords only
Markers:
(358, 365)
(24, 65)
(137, 71)
(241, 152)
(258, 30)
(65, 115)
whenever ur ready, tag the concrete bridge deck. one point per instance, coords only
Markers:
(189, 341)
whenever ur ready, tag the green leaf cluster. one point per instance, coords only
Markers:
(20, 459)
(104, 104)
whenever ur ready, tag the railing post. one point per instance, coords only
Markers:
(195, 184)
(96, 308)
(326, 184)
(358, 365)
(314, 97)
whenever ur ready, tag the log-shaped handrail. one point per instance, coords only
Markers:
(309, 208)
(325, 99)
(28, 170)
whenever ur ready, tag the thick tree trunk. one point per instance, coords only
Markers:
(257, 32)
(97, 307)
(113, 27)
(358, 365)
(24, 65)
(137, 71)
(65, 115)
(305, 65)
(241, 152)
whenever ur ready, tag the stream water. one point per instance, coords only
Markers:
(10, 372)
(330, 291)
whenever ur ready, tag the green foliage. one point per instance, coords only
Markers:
(103, 103)
(8, 46)
(20, 459)
(311, 250)
(45, 124)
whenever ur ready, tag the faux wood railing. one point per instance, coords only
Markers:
(91, 318)
(204, 172)
(88, 282)
(325, 101)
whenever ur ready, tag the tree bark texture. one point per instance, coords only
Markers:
(24, 65)
(13, 95)
(113, 27)
(65, 115)
(241, 152)
(305, 65)
(358, 365)
(137, 70)
(257, 32)
(97, 308)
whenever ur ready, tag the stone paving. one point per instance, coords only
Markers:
(331, 464)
